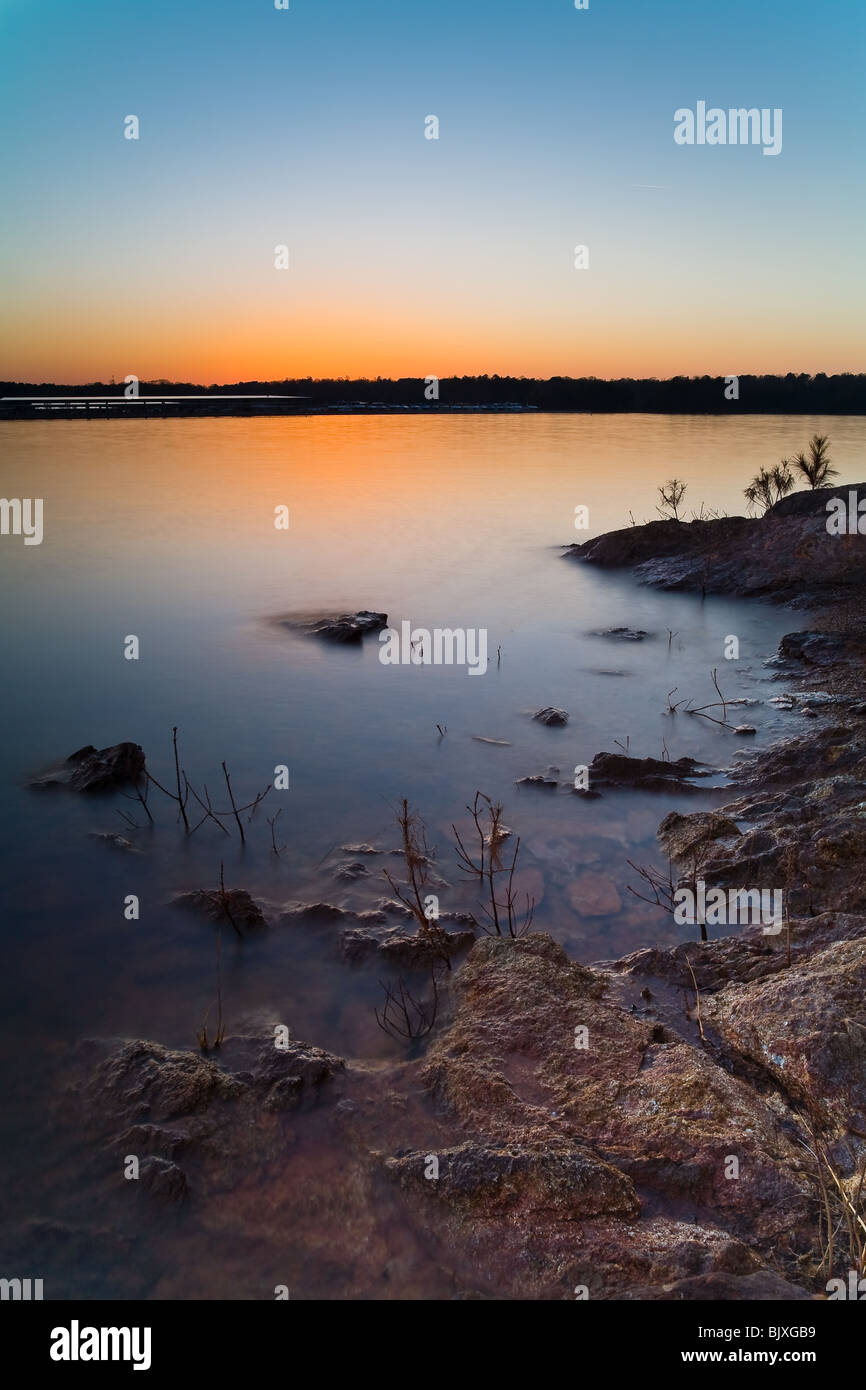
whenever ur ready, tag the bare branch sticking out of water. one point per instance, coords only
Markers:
(413, 844)
(502, 918)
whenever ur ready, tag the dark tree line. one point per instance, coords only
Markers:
(795, 393)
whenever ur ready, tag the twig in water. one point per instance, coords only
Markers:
(272, 821)
(417, 857)
(181, 800)
(488, 866)
(233, 806)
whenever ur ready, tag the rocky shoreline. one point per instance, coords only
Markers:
(677, 1124)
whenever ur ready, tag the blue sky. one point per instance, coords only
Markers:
(305, 127)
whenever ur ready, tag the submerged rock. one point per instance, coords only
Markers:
(350, 870)
(551, 716)
(347, 627)
(114, 841)
(593, 895)
(317, 914)
(404, 950)
(234, 905)
(644, 774)
(95, 769)
(622, 634)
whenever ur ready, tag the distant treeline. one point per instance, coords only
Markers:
(791, 394)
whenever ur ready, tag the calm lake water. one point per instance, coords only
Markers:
(165, 530)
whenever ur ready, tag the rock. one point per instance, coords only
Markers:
(141, 1087)
(806, 1026)
(392, 906)
(820, 648)
(234, 905)
(684, 836)
(360, 849)
(497, 742)
(492, 1180)
(144, 1081)
(745, 729)
(594, 895)
(162, 1179)
(317, 914)
(551, 716)
(348, 627)
(512, 1071)
(282, 1076)
(537, 780)
(622, 634)
(403, 950)
(154, 1139)
(813, 503)
(114, 841)
(351, 870)
(96, 770)
(787, 554)
(644, 774)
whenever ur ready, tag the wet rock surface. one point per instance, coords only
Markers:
(234, 906)
(551, 716)
(608, 770)
(621, 634)
(95, 769)
(346, 627)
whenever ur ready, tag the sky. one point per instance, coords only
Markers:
(305, 128)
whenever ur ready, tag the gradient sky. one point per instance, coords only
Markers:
(413, 256)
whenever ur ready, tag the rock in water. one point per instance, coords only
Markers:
(96, 769)
(645, 774)
(233, 905)
(348, 627)
(551, 716)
